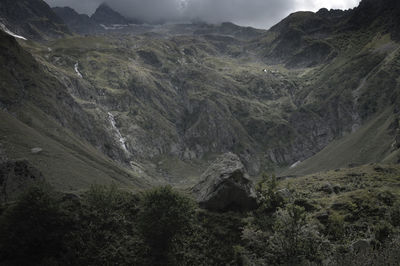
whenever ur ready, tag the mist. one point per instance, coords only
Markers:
(256, 13)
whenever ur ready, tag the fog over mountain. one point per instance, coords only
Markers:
(256, 13)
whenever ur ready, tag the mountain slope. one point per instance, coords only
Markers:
(164, 103)
(32, 19)
(37, 112)
(79, 23)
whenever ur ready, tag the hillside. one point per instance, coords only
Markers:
(32, 19)
(163, 101)
(189, 143)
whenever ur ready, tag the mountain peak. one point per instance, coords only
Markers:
(106, 15)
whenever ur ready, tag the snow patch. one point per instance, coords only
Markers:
(295, 164)
(4, 28)
(77, 70)
(117, 133)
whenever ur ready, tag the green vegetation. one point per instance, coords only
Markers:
(330, 219)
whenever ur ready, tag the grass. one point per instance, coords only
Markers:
(360, 194)
(371, 143)
(68, 163)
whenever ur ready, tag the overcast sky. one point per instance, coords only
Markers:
(256, 13)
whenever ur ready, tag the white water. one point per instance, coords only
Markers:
(121, 139)
(295, 164)
(4, 28)
(77, 70)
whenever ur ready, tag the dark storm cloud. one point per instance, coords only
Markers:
(258, 13)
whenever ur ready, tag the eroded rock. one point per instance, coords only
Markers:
(225, 186)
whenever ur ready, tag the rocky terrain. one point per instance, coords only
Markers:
(126, 143)
(159, 103)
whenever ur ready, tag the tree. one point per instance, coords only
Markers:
(165, 214)
(33, 230)
(295, 240)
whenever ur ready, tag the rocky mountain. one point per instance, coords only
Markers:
(79, 23)
(151, 104)
(32, 19)
(105, 15)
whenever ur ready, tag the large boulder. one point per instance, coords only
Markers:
(225, 186)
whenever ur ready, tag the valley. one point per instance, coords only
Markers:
(106, 100)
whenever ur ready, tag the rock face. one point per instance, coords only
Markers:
(79, 23)
(225, 186)
(16, 177)
(107, 16)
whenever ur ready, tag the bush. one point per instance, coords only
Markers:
(295, 239)
(105, 231)
(34, 229)
(395, 214)
(335, 227)
(268, 201)
(165, 214)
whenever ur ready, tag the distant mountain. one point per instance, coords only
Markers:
(227, 28)
(78, 23)
(107, 16)
(32, 19)
(300, 39)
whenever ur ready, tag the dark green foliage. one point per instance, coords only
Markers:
(395, 214)
(386, 254)
(269, 200)
(295, 240)
(165, 214)
(105, 230)
(223, 231)
(107, 226)
(34, 229)
(335, 227)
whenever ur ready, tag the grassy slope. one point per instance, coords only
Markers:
(362, 194)
(371, 143)
(68, 163)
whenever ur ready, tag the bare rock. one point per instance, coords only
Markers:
(225, 186)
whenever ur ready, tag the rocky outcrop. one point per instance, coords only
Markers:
(16, 177)
(225, 186)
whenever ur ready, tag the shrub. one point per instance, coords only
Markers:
(33, 230)
(295, 239)
(268, 201)
(164, 215)
(335, 227)
(105, 231)
(395, 214)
